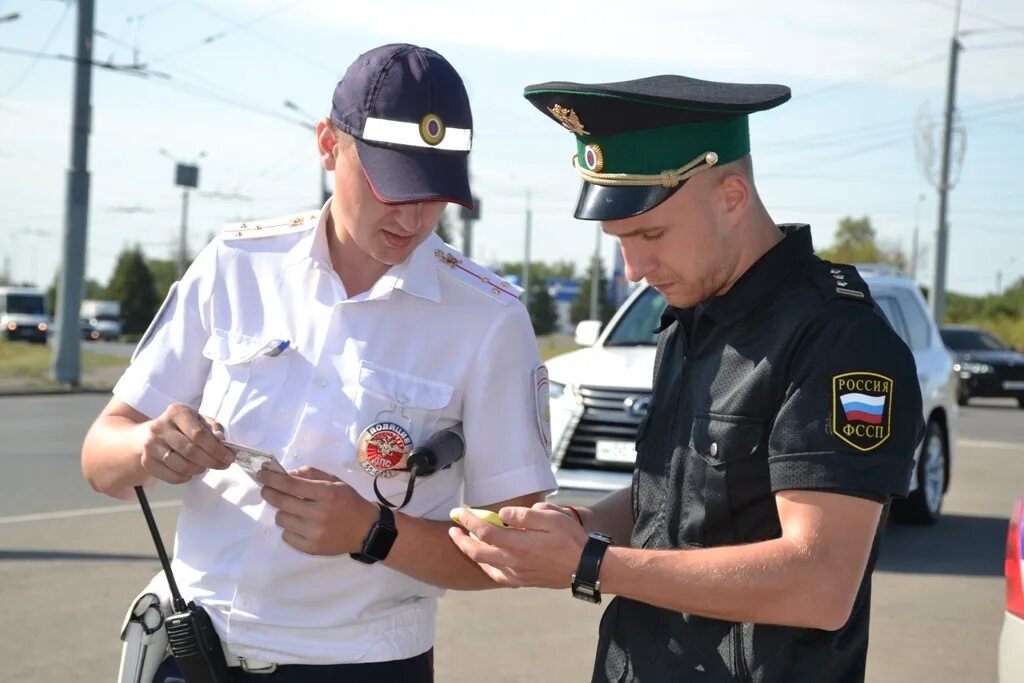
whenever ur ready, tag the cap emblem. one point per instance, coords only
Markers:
(432, 129)
(593, 158)
(568, 118)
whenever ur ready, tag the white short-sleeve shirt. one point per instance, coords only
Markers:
(437, 339)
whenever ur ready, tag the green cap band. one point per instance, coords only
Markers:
(654, 150)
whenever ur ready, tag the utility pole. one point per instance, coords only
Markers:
(468, 216)
(526, 255)
(914, 247)
(325, 190)
(67, 356)
(938, 290)
(595, 278)
(186, 176)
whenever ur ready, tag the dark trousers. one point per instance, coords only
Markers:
(419, 669)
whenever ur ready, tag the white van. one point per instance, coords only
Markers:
(600, 394)
(101, 319)
(23, 314)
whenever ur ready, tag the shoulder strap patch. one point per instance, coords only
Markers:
(282, 225)
(477, 277)
(841, 281)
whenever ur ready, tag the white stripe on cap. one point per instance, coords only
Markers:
(405, 133)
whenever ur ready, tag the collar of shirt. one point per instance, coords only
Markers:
(417, 275)
(762, 278)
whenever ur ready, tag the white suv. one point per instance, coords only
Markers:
(599, 394)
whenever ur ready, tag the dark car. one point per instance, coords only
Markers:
(987, 367)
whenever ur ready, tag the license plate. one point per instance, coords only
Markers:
(615, 451)
(1015, 385)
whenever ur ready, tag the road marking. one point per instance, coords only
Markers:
(971, 443)
(84, 512)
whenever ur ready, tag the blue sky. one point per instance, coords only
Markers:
(864, 74)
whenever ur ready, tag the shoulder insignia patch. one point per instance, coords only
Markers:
(840, 281)
(282, 225)
(862, 409)
(476, 276)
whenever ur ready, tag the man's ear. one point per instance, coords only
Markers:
(326, 144)
(734, 196)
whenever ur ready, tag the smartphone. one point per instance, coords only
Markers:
(486, 515)
(252, 460)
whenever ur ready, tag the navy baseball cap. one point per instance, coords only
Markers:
(408, 110)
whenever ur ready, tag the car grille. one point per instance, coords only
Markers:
(1011, 372)
(604, 418)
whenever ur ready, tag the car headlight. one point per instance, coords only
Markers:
(12, 326)
(976, 368)
(42, 327)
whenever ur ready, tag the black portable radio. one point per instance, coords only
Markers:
(190, 633)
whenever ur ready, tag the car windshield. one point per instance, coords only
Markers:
(636, 327)
(971, 340)
(27, 304)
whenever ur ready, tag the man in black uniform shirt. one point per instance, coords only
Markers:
(785, 414)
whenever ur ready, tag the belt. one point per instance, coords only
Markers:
(251, 666)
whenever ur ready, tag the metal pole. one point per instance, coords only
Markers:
(595, 278)
(914, 247)
(67, 359)
(183, 236)
(467, 236)
(938, 292)
(526, 255)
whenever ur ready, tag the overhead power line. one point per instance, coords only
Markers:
(43, 48)
(133, 69)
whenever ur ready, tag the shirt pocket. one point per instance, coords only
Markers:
(244, 383)
(717, 477)
(420, 405)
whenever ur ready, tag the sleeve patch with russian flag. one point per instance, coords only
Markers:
(862, 409)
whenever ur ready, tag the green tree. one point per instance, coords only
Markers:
(542, 309)
(581, 307)
(132, 285)
(539, 271)
(165, 274)
(857, 242)
(444, 229)
(92, 289)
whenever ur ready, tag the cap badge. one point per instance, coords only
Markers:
(432, 129)
(568, 118)
(593, 158)
(382, 448)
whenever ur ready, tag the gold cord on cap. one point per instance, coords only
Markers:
(669, 178)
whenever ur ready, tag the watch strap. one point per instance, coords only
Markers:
(379, 540)
(586, 582)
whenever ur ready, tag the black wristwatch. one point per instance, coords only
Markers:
(380, 539)
(586, 582)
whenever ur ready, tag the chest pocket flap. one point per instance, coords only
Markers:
(232, 348)
(404, 389)
(720, 439)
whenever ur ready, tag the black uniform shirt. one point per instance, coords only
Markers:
(793, 379)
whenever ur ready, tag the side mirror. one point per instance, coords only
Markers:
(587, 332)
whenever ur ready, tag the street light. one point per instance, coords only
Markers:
(186, 176)
(325, 189)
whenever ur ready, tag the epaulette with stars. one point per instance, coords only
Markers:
(476, 276)
(841, 281)
(269, 227)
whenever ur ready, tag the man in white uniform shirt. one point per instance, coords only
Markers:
(336, 340)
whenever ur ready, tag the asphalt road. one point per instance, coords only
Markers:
(71, 560)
